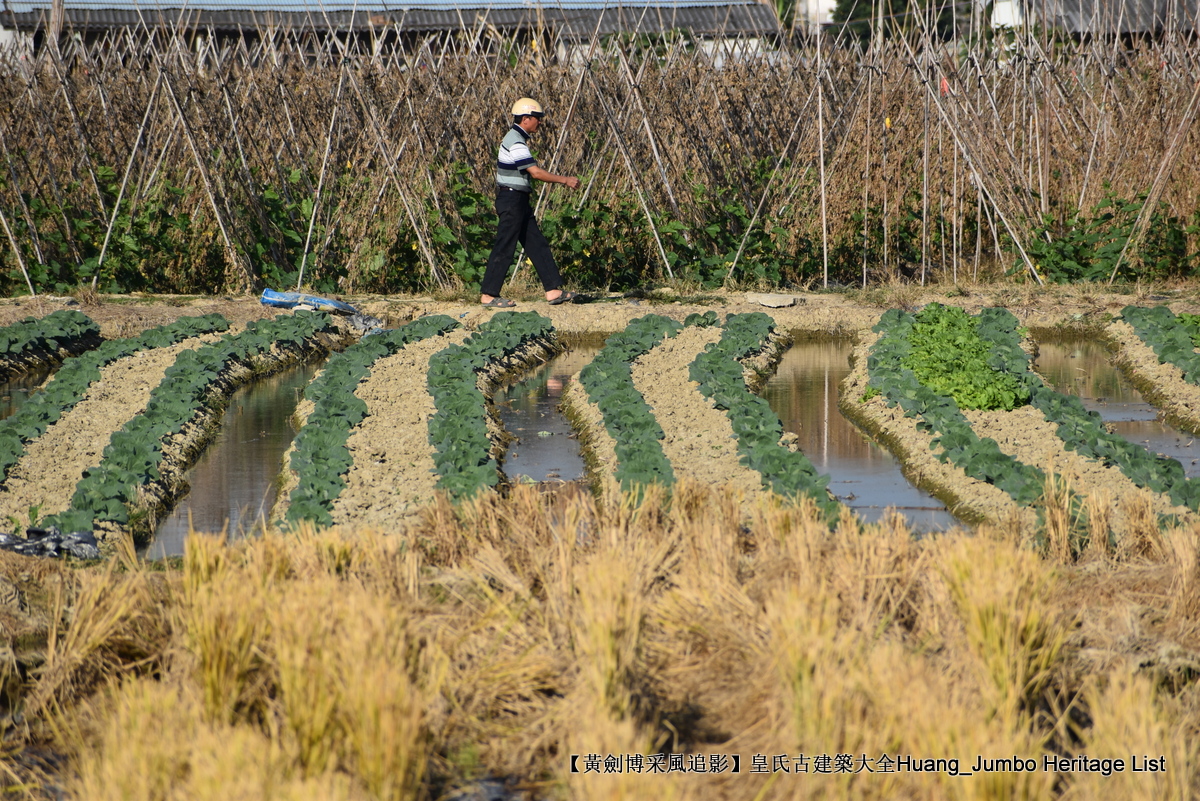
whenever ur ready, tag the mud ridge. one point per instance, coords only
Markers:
(970, 500)
(52, 464)
(392, 475)
(698, 438)
(1024, 434)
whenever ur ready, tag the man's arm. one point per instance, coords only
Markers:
(538, 173)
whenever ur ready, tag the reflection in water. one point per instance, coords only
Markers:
(1082, 368)
(804, 393)
(546, 449)
(233, 483)
(15, 391)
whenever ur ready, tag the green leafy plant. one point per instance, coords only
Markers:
(1173, 338)
(1086, 247)
(321, 458)
(948, 356)
(60, 329)
(718, 371)
(939, 414)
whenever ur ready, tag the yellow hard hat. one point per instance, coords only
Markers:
(527, 106)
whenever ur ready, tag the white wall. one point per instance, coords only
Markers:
(815, 13)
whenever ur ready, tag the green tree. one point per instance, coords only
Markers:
(898, 16)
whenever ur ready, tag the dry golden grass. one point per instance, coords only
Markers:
(498, 638)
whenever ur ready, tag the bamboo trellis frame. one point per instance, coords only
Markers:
(702, 122)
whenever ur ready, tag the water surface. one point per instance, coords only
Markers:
(864, 476)
(1083, 368)
(233, 482)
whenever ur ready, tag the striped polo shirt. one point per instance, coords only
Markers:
(514, 160)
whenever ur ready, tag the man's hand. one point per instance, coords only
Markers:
(539, 174)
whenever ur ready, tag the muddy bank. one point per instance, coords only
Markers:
(1026, 435)
(835, 313)
(43, 480)
(698, 439)
(596, 446)
(1160, 384)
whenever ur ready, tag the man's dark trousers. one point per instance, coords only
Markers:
(517, 224)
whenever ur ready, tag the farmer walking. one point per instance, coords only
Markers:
(514, 169)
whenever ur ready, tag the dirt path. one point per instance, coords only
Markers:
(699, 440)
(46, 475)
(1161, 384)
(392, 475)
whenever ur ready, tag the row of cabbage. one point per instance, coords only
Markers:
(1174, 338)
(63, 329)
(718, 371)
(935, 363)
(320, 458)
(457, 431)
(77, 374)
(133, 457)
(629, 420)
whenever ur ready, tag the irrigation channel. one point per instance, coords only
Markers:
(233, 483)
(864, 476)
(15, 391)
(1082, 368)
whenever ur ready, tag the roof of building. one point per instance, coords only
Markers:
(1099, 17)
(575, 18)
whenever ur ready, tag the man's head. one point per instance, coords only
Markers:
(527, 113)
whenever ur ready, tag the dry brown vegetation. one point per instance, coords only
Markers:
(945, 153)
(497, 638)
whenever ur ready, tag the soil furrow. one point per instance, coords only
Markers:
(392, 475)
(699, 440)
(46, 475)
(1026, 435)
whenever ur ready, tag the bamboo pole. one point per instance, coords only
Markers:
(230, 252)
(637, 186)
(312, 219)
(1160, 182)
(125, 180)
(821, 153)
(17, 252)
